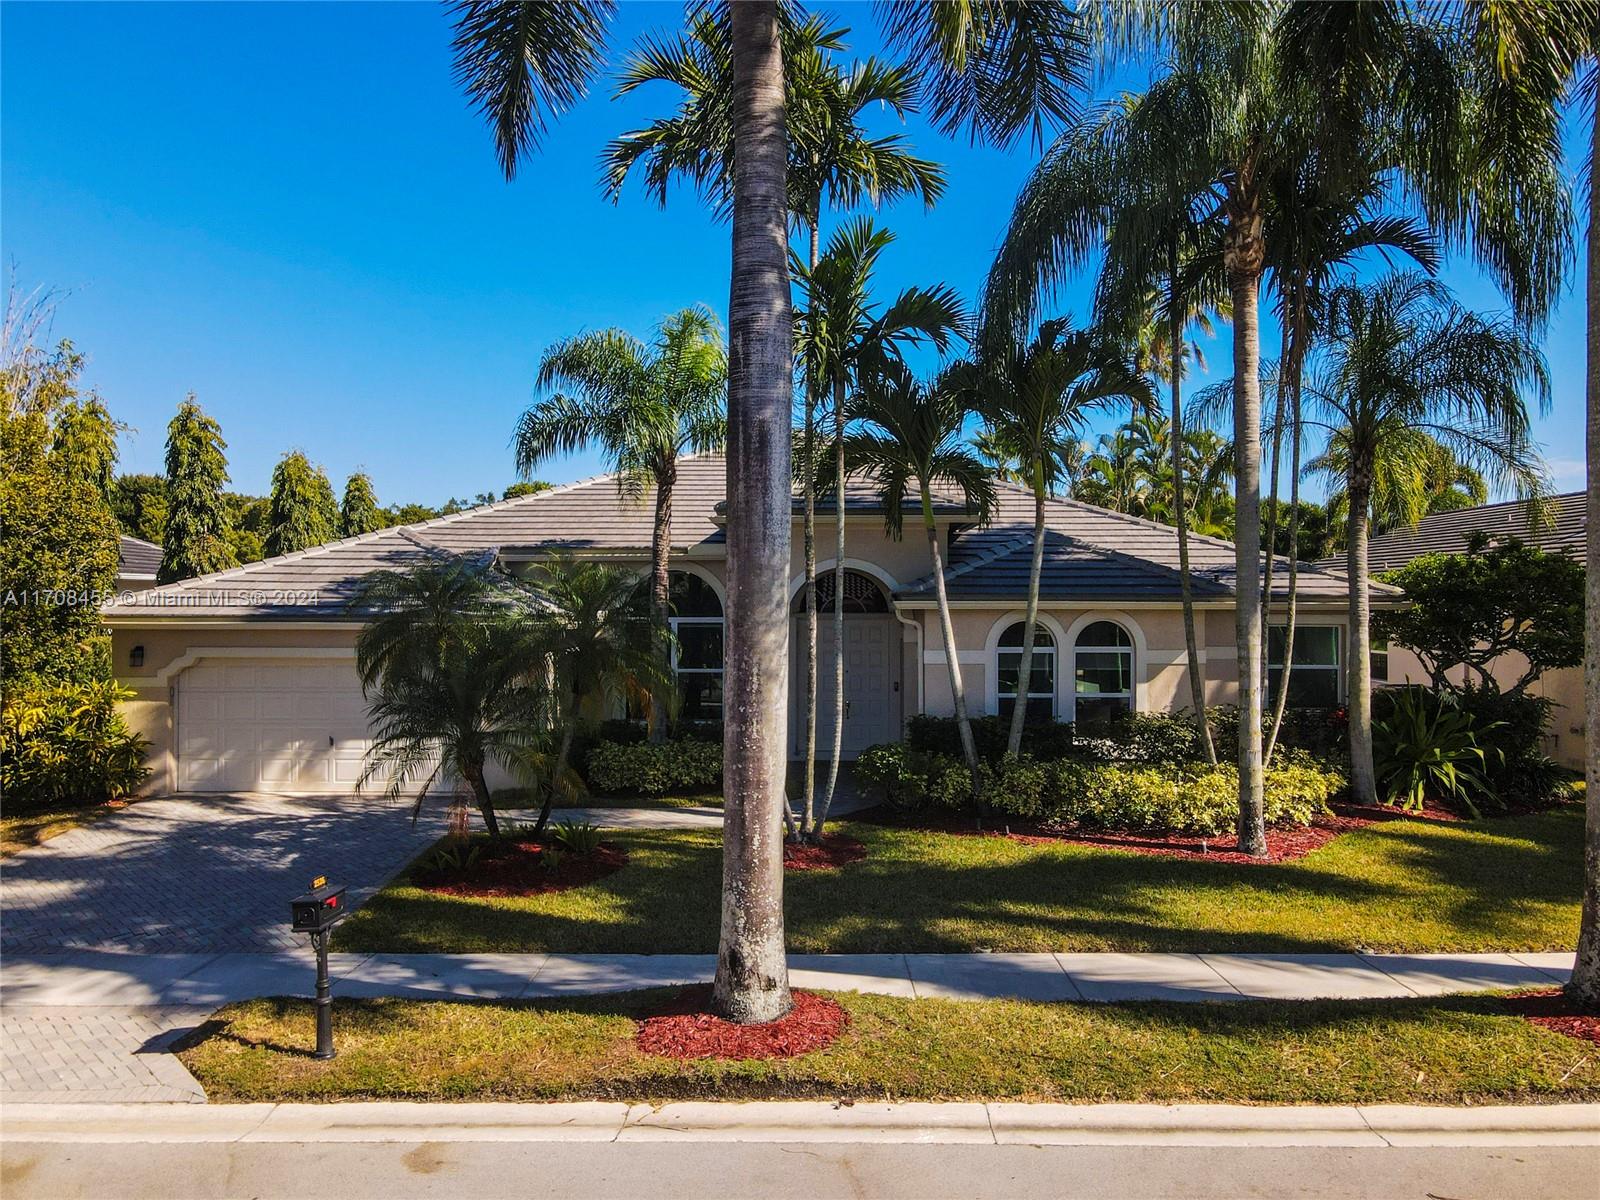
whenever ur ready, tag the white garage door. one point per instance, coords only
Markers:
(271, 727)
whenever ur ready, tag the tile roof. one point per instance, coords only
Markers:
(137, 558)
(1091, 553)
(1446, 533)
(1094, 553)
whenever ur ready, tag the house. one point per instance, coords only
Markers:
(137, 563)
(1563, 531)
(245, 679)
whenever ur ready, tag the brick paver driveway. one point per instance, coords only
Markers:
(200, 875)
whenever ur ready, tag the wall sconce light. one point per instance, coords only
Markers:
(136, 657)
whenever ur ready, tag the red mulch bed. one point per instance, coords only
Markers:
(835, 851)
(517, 869)
(1283, 845)
(685, 1028)
(1552, 1010)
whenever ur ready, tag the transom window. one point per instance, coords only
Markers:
(861, 594)
(1102, 675)
(697, 636)
(1042, 673)
(1314, 679)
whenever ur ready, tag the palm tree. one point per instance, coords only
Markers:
(1399, 358)
(594, 625)
(1034, 400)
(1415, 477)
(447, 691)
(831, 158)
(909, 439)
(1113, 476)
(842, 335)
(644, 406)
(992, 66)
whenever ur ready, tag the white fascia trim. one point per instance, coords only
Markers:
(195, 653)
(181, 622)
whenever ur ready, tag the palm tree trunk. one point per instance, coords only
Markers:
(1363, 782)
(1272, 491)
(752, 980)
(1019, 710)
(1297, 355)
(661, 594)
(838, 608)
(480, 792)
(958, 694)
(1245, 254)
(1585, 986)
(563, 755)
(808, 487)
(1191, 642)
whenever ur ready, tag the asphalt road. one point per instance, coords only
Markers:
(749, 1171)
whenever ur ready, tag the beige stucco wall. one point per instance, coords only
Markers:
(1564, 688)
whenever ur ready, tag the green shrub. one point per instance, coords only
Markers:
(939, 735)
(1428, 747)
(1190, 798)
(67, 744)
(684, 764)
(576, 837)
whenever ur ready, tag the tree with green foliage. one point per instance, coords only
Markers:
(1399, 357)
(1468, 611)
(303, 512)
(358, 512)
(643, 406)
(197, 537)
(526, 487)
(139, 503)
(58, 558)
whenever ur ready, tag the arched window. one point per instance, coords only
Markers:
(1008, 666)
(861, 594)
(697, 629)
(1102, 671)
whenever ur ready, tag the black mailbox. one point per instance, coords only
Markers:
(318, 909)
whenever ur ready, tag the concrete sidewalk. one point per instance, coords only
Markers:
(92, 979)
(814, 1122)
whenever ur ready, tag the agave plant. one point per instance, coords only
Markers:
(1428, 745)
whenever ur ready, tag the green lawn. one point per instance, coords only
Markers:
(518, 800)
(1456, 1050)
(1509, 884)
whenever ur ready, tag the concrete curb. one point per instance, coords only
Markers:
(811, 1122)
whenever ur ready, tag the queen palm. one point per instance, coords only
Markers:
(594, 625)
(643, 406)
(832, 159)
(1400, 358)
(908, 440)
(994, 66)
(1034, 400)
(1415, 477)
(843, 335)
(447, 692)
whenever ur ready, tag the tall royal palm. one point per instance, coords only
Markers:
(643, 406)
(833, 161)
(1034, 400)
(1399, 357)
(909, 441)
(994, 66)
(844, 335)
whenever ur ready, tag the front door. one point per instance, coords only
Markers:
(871, 706)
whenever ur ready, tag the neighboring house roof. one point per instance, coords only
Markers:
(137, 558)
(1563, 531)
(1091, 553)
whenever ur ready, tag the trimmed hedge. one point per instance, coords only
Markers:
(671, 768)
(1191, 798)
(67, 744)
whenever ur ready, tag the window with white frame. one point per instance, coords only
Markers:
(697, 633)
(1102, 674)
(1042, 672)
(1315, 679)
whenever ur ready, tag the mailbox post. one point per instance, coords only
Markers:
(316, 913)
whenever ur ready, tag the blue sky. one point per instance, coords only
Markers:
(289, 210)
